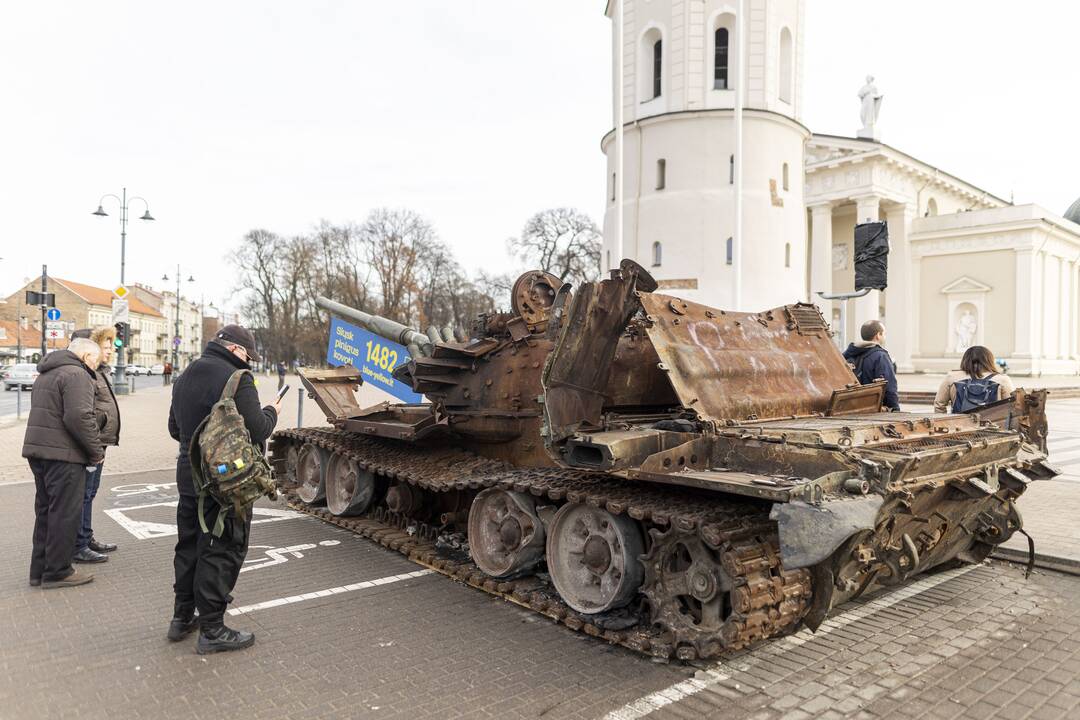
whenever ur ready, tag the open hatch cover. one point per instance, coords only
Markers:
(728, 365)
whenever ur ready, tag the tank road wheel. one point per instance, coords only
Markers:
(688, 591)
(310, 473)
(291, 457)
(349, 490)
(506, 537)
(594, 558)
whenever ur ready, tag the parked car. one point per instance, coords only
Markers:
(136, 370)
(23, 374)
(158, 369)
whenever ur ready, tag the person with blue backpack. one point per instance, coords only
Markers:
(975, 384)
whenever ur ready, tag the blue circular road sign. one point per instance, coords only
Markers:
(53, 314)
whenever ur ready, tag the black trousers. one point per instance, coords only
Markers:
(58, 506)
(207, 567)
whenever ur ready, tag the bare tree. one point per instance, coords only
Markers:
(562, 241)
(395, 241)
(392, 264)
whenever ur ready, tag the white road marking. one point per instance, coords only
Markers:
(143, 488)
(723, 671)
(279, 555)
(329, 591)
(144, 529)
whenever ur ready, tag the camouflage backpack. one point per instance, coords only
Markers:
(225, 464)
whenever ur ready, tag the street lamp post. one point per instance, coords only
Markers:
(119, 384)
(176, 334)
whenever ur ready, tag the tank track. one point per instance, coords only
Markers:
(767, 600)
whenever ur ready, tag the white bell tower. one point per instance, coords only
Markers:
(681, 67)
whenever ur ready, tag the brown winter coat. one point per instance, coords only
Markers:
(62, 423)
(106, 408)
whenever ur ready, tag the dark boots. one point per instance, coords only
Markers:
(182, 624)
(222, 639)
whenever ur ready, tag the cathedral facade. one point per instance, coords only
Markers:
(965, 267)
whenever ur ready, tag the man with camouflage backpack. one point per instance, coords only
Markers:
(207, 563)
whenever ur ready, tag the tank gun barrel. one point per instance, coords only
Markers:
(384, 327)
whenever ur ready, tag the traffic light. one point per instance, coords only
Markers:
(121, 335)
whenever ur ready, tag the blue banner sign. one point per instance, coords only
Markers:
(375, 357)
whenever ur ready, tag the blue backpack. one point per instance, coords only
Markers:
(972, 394)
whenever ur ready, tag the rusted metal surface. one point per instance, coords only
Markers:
(1024, 412)
(765, 601)
(336, 393)
(576, 378)
(693, 480)
(739, 366)
(857, 399)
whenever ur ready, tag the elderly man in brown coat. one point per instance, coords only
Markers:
(61, 442)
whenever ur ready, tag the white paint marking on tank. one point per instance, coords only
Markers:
(708, 677)
(692, 330)
(329, 591)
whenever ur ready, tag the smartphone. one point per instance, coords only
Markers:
(281, 393)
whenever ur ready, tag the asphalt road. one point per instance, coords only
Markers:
(9, 400)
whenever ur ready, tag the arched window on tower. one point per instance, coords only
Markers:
(658, 67)
(720, 60)
(731, 170)
(661, 174)
(730, 250)
(657, 254)
(931, 207)
(786, 65)
(786, 182)
(787, 255)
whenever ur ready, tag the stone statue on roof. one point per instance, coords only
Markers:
(871, 107)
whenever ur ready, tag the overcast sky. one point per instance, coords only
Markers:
(475, 113)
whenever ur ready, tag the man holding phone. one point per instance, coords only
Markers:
(207, 567)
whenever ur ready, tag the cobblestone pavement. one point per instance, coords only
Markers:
(348, 629)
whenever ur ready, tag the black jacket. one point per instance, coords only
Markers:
(196, 391)
(871, 362)
(62, 423)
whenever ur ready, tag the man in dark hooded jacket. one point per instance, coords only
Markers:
(873, 362)
(61, 441)
(207, 567)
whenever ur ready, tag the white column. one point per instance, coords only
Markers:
(1027, 319)
(1065, 315)
(821, 252)
(868, 306)
(619, 133)
(1075, 310)
(901, 304)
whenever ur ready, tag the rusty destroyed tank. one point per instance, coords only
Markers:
(681, 480)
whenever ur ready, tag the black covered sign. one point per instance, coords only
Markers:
(872, 255)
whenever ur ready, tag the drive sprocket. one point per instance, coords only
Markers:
(714, 589)
(688, 591)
